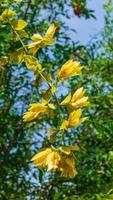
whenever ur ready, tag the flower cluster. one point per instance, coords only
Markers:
(60, 160)
(54, 159)
(77, 100)
(74, 120)
(37, 109)
(69, 69)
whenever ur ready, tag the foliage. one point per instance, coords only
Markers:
(19, 141)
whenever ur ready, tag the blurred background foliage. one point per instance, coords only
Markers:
(19, 180)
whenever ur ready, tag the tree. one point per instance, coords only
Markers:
(19, 141)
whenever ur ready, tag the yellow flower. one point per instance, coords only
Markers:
(60, 159)
(66, 100)
(53, 161)
(77, 100)
(37, 109)
(28, 116)
(67, 167)
(34, 111)
(40, 42)
(40, 158)
(64, 125)
(47, 157)
(74, 118)
(69, 69)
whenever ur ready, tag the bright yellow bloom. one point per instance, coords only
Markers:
(53, 161)
(29, 116)
(66, 100)
(74, 118)
(40, 42)
(60, 160)
(34, 111)
(47, 157)
(69, 69)
(77, 100)
(64, 125)
(37, 109)
(40, 158)
(67, 167)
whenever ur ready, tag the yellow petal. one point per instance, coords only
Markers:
(69, 69)
(66, 100)
(40, 158)
(53, 161)
(41, 153)
(74, 117)
(80, 102)
(36, 37)
(67, 167)
(71, 162)
(53, 89)
(83, 119)
(51, 31)
(38, 107)
(64, 125)
(78, 94)
(75, 114)
(47, 41)
(28, 116)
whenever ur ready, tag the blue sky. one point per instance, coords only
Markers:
(88, 28)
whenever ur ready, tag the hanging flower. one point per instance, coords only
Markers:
(40, 159)
(67, 167)
(60, 160)
(37, 109)
(77, 100)
(34, 111)
(53, 161)
(69, 69)
(74, 120)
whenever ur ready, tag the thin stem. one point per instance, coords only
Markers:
(18, 36)
(49, 86)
